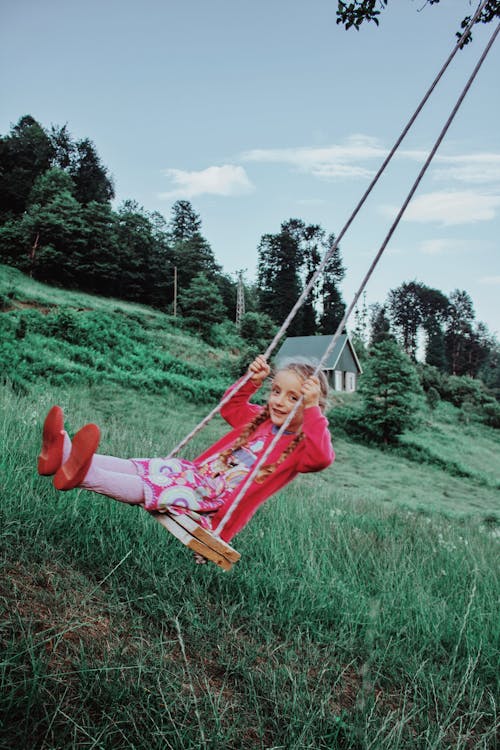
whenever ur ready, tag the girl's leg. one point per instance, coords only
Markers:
(111, 463)
(56, 448)
(85, 469)
(124, 487)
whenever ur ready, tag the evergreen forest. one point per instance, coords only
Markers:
(58, 225)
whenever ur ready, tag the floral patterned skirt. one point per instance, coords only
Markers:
(176, 485)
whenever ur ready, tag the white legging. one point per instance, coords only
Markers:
(115, 477)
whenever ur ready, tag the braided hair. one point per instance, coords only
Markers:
(304, 369)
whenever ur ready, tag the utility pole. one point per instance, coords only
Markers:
(240, 299)
(33, 253)
(175, 291)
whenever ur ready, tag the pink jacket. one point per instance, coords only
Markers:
(313, 453)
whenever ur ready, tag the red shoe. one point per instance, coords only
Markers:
(73, 472)
(50, 458)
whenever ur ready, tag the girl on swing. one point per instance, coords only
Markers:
(209, 484)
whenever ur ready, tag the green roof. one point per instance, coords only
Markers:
(342, 357)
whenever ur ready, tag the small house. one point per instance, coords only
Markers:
(342, 367)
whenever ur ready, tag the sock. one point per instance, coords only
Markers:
(74, 470)
(124, 487)
(66, 447)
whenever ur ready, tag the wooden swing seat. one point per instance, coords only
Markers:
(186, 528)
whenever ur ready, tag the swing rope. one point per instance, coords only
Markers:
(331, 250)
(249, 479)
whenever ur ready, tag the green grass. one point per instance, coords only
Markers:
(79, 338)
(22, 291)
(467, 444)
(372, 475)
(349, 622)
(364, 611)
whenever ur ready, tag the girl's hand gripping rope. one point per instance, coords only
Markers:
(259, 369)
(311, 391)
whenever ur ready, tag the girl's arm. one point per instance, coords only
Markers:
(316, 450)
(238, 411)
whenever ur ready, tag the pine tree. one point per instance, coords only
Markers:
(459, 332)
(185, 223)
(380, 328)
(312, 260)
(54, 228)
(278, 276)
(25, 154)
(435, 353)
(332, 303)
(201, 305)
(391, 393)
(435, 307)
(146, 273)
(405, 310)
(92, 182)
(63, 147)
(97, 266)
(190, 252)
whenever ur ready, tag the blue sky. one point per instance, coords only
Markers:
(261, 111)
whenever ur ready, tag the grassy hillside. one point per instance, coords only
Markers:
(363, 613)
(64, 337)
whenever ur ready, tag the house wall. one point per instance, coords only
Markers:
(343, 381)
(346, 361)
(350, 382)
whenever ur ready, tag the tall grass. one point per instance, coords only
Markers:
(349, 622)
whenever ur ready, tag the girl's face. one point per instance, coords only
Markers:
(286, 390)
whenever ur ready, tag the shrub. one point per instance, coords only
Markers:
(258, 329)
(433, 398)
(458, 389)
(431, 377)
(491, 413)
(63, 324)
(21, 329)
(225, 335)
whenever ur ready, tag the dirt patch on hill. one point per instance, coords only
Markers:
(57, 610)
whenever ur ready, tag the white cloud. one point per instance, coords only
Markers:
(226, 180)
(328, 162)
(360, 155)
(449, 207)
(472, 168)
(481, 168)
